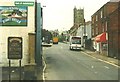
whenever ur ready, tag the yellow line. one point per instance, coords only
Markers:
(102, 60)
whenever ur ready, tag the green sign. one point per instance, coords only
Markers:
(24, 3)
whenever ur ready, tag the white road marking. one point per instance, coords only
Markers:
(44, 69)
(95, 72)
(78, 61)
(106, 67)
(102, 60)
(13, 71)
(92, 66)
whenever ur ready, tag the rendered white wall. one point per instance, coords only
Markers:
(16, 31)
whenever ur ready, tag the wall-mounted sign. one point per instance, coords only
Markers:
(13, 15)
(24, 3)
(15, 48)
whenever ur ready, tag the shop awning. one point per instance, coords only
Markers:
(101, 37)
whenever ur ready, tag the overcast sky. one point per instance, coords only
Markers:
(58, 14)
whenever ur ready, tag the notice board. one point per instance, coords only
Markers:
(14, 47)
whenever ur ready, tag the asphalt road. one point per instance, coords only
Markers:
(64, 64)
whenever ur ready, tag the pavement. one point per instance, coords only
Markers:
(104, 58)
(101, 57)
(17, 73)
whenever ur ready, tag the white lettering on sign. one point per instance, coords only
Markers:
(11, 19)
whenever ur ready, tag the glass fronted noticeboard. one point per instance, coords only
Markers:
(15, 48)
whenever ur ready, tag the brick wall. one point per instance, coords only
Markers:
(99, 23)
(113, 34)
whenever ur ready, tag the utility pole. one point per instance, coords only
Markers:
(85, 35)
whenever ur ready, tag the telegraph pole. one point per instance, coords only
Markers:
(85, 35)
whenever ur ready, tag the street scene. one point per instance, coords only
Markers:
(75, 65)
(60, 40)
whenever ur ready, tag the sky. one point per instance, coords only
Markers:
(58, 14)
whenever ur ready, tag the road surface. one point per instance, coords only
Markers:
(64, 64)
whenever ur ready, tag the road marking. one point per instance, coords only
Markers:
(44, 69)
(102, 60)
(61, 47)
(95, 72)
(78, 61)
(106, 67)
(13, 71)
(92, 66)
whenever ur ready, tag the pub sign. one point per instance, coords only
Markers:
(13, 15)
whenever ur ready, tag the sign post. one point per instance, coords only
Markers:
(15, 51)
(24, 3)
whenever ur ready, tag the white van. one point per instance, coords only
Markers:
(75, 43)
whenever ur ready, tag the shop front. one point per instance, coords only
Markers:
(101, 43)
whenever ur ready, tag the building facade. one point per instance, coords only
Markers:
(100, 27)
(88, 35)
(16, 22)
(113, 33)
(88, 29)
(85, 30)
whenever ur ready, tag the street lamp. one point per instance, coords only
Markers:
(42, 14)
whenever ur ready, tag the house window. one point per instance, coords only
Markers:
(93, 32)
(92, 20)
(101, 14)
(103, 29)
(106, 25)
(96, 29)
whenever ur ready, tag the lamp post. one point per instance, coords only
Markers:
(42, 14)
(39, 27)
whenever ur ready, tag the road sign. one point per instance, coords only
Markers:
(24, 3)
(15, 48)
